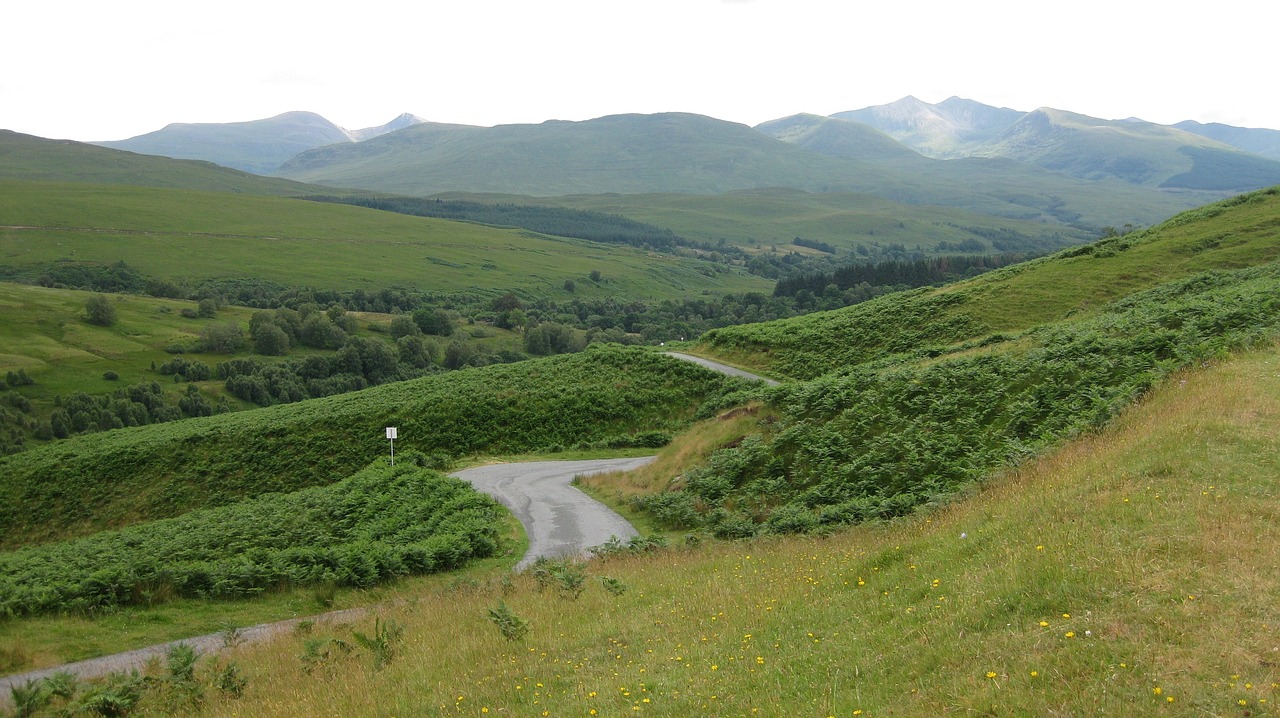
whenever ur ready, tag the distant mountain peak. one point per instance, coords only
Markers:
(399, 123)
(947, 129)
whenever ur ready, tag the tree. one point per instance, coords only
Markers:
(270, 340)
(207, 309)
(100, 310)
(222, 338)
(434, 321)
(404, 326)
(319, 332)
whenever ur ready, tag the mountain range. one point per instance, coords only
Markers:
(258, 146)
(1048, 165)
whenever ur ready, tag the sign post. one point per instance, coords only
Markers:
(391, 436)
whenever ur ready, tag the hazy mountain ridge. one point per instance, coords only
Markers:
(1259, 141)
(1188, 155)
(258, 146)
(835, 137)
(695, 154)
(945, 130)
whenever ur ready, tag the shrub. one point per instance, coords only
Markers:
(100, 311)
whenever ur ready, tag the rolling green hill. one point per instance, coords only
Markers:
(671, 152)
(181, 235)
(88, 483)
(1259, 141)
(1128, 574)
(834, 137)
(1080, 551)
(257, 146)
(25, 157)
(1073, 284)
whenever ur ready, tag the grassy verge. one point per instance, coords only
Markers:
(38, 642)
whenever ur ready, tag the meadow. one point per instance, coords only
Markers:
(71, 362)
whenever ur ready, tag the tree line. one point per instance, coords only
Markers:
(907, 274)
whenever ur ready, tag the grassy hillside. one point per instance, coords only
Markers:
(1127, 573)
(88, 483)
(26, 157)
(1259, 141)
(189, 236)
(1074, 284)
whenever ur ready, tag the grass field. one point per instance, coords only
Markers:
(189, 236)
(1128, 573)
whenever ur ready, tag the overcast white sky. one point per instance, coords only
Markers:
(97, 70)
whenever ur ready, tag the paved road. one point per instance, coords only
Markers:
(559, 519)
(717, 366)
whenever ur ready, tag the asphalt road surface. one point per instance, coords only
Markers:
(559, 519)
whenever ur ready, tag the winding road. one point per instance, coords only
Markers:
(559, 519)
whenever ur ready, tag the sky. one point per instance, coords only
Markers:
(93, 70)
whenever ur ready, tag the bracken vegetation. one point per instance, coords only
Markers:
(383, 522)
(877, 440)
(88, 483)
